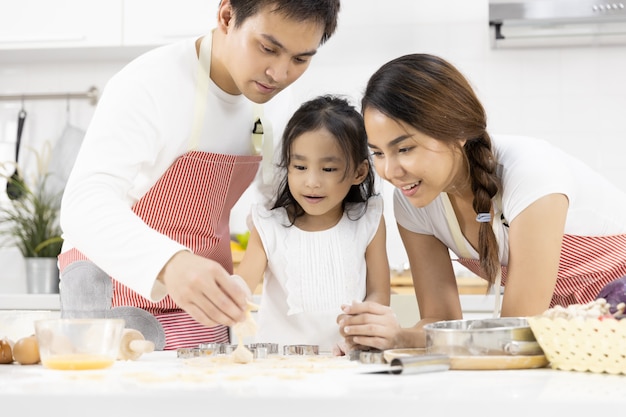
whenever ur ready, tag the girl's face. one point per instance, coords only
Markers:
(317, 176)
(419, 165)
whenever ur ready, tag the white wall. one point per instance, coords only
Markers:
(572, 96)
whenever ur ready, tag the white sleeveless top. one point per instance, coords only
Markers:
(311, 274)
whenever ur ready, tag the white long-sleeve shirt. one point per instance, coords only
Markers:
(141, 126)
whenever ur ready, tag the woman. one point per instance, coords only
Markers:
(515, 210)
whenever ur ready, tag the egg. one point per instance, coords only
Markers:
(6, 355)
(26, 351)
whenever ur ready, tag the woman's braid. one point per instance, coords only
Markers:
(485, 186)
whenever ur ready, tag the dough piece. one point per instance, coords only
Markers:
(242, 354)
(243, 329)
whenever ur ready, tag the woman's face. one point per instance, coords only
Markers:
(419, 165)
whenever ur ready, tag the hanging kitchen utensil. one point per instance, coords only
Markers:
(64, 155)
(15, 183)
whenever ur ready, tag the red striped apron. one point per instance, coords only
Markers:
(587, 264)
(191, 203)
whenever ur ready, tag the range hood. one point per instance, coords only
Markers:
(557, 23)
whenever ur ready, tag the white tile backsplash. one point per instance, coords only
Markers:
(572, 96)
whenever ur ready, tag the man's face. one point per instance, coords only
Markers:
(265, 54)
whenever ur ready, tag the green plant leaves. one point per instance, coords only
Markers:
(32, 221)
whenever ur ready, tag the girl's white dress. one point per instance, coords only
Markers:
(311, 274)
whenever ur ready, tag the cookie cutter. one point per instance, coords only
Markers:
(271, 348)
(260, 353)
(186, 353)
(209, 349)
(372, 356)
(227, 349)
(367, 356)
(260, 350)
(301, 350)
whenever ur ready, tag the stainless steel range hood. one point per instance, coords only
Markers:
(529, 23)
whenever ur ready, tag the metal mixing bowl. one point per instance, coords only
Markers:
(494, 336)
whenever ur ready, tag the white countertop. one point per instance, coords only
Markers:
(30, 302)
(17, 311)
(159, 384)
(470, 303)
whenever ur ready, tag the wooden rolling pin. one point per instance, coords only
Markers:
(133, 345)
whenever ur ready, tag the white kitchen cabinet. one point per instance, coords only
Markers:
(58, 30)
(36, 24)
(155, 22)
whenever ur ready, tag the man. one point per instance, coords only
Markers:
(168, 153)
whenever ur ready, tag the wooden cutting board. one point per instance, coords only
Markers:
(478, 362)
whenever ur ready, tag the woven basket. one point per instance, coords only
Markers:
(582, 345)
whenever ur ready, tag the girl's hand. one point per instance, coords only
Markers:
(341, 349)
(369, 324)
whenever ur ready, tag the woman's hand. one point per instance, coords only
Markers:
(369, 324)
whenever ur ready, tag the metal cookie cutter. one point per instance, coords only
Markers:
(203, 349)
(367, 356)
(372, 356)
(227, 349)
(209, 349)
(301, 350)
(186, 353)
(271, 348)
(260, 353)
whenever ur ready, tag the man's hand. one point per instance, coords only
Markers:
(205, 290)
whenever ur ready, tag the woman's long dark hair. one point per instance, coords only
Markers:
(430, 94)
(345, 124)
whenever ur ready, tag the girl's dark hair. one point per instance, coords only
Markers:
(345, 124)
(430, 94)
(325, 12)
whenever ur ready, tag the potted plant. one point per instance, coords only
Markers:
(31, 223)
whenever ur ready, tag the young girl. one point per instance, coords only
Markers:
(323, 243)
(516, 210)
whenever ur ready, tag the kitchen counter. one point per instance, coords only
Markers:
(403, 304)
(30, 302)
(469, 302)
(159, 384)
